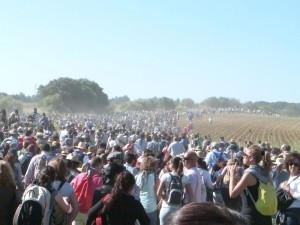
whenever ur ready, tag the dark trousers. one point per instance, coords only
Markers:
(290, 216)
(232, 203)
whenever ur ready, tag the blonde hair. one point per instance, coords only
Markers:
(6, 174)
(149, 164)
(259, 155)
(231, 161)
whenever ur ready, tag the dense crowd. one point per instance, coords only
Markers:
(136, 167)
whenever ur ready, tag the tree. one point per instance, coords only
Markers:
(187, 103)
(10, 104)
(70, 95)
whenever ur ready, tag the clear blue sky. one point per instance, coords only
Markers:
(248, 50)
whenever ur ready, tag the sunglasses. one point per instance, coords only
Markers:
(294, 164)
(186, 159)
(245, 155)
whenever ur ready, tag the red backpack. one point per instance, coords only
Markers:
(99, 219)
(83, 193)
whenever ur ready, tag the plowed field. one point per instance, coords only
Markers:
(242, 127)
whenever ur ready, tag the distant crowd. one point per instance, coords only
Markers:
(138, 167)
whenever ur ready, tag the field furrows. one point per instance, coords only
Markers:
(242, 127)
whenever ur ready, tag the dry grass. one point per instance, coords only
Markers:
(242, 127)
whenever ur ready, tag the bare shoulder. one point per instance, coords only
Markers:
(249, 179)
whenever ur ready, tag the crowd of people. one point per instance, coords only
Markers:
(137, 168)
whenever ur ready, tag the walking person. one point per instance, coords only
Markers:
(250, 181)
(176, 167)
(291, 216)
(191, 170)
(66, 191)
(147, 183)
(7, 193)
(122, 207)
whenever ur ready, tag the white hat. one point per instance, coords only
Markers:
(73, 157)
(279, 161)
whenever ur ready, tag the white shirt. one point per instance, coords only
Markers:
(197, 183)
(295, 187)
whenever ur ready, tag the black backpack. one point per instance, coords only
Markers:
(98, 203)
(175, 190)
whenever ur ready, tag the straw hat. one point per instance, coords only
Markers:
(81, 145)
(64, 153)
(73, 158)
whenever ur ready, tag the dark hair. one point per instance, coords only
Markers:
(290, 158)
(124, 183)
(60, 168)
(96, 161)
(111, 171)
(202, 163)
(11, 159)
(26, 144)
(46, 177)
(177, 164)
(206, 213)
(129, 157)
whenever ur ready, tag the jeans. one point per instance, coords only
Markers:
(291, 216)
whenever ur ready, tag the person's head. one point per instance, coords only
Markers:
(177, 164)
(190, 159)
(253, 155)
(202, 163)
(11, 159)
(96, 163)
(206, 213)
(116, 157)
(130, 158)
(6, 175)
(285, 148)
(124, 183)
(60, 168)
(148, 163)
(292, 163)
(46, 177)
(45, 147)
(231, 162)
(110, 173)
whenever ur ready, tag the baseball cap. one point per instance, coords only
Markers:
(115, 155)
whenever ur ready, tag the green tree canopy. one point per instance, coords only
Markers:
(70, 95)
(10, 104)
(221, 102)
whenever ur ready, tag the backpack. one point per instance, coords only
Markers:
(25, 162)
(80, 155)
(175, 190)
(102, 219)
(266, 203)
(218, 156)
(60, 217)
(82, 191)
(41, 163)
(35, 207)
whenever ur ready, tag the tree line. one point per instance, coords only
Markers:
(68, 95)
